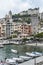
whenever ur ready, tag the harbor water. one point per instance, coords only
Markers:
(6, 52)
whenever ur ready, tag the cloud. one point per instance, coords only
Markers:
(14, 5)
(18, 5)
(5, 6)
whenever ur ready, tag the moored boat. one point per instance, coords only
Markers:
(11, 61)
(25, 58)
(18, 59)
(14, 51)
(1, 46)
(31, 54)
(37, 53)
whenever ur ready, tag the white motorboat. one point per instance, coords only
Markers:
(18, 59)
(37, 53)
(14, 51)
(25, 58)
(31, 54)
(11, 61)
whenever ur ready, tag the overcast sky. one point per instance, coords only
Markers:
(18, 5)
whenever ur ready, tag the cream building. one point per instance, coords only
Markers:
(30, 11)
(33, 11)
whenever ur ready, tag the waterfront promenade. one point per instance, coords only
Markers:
(32, 61)
(34, 44)
(14, 41)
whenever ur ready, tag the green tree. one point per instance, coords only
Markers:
(39, 35)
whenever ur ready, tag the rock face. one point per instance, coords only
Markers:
(34, 22)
